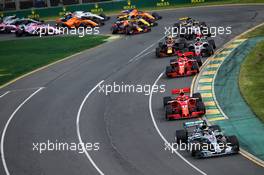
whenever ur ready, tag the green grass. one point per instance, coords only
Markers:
(22, 56)
(257, 32)
(251, 80)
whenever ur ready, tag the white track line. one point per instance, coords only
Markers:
(6, 126)
(1, 96)
(163, 138)
(139, 54)
(78, 129)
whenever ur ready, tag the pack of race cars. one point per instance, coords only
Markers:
(133, 21)
(129, 22)
(26, 27)
(188, 50)
(31, 27)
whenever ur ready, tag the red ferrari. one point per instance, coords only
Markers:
(183, 106)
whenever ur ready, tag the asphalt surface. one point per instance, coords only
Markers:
(120, 122)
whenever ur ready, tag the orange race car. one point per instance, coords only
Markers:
(76, 22)
(136, 13)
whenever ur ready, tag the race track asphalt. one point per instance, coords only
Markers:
(120, 122)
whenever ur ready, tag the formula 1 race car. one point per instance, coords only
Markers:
(188, 28)
(202, 46)
(207, 141)
(188, 21)
(37, 29)
(183, 66)
(13, 25)
(76, 22)
(170, 47)
(94, 17)
(82, 16)
(183, 106)
(129, 27)
(126, 14)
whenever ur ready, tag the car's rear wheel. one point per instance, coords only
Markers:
(215, 128)
(158, 50)
(200, 106)
(168, 111)
(212, 43)
(168, 71)
(195, 66)
(196, 150)
(199, 61)
(19, 33)
(234, 143)
(181, 136)
(197, 95)
(166, 100)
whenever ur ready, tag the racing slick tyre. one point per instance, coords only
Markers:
(158, 50)
(212, 43)
(202, 23)
(99, 22)
(168, 70)
(201, 106)
(176, 27)
(197, 95)
(191, 49)
(196, 150)
(168, 111)
(195, 66)
(161, 44)
(215, 128)
(199, 61)
(234, 143)
(114, 31)
(19, 33)
(154, 24)
(156, 16)
(208, 51)
(181, 43)
(166, 100)
(129, 31)
(173, 61)
(181, 136)
(106, 18)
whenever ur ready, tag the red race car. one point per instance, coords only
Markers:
(185, 65)
(183, 106)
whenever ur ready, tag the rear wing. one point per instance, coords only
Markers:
(186, 54)
(184, 90)
(193, 123)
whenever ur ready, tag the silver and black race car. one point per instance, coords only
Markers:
(206, 141)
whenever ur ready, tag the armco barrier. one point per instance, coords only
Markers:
(102, 7)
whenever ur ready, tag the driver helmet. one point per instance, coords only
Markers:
(181, 92)
(169, 39)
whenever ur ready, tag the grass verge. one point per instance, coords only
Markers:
(257, 32)
(251, 80)
(19, 57)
